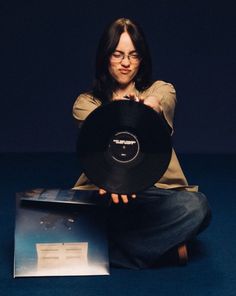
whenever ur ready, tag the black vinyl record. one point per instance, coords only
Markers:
(124, 147)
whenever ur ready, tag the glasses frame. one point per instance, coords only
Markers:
(130, 56)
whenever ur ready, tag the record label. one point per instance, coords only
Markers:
(123, 147)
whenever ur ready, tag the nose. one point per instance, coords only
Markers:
(125, 61)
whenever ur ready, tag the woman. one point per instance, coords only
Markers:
(145, 225)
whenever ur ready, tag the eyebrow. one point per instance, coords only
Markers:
(132, 51)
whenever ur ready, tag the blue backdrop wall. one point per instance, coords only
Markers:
(47, 53)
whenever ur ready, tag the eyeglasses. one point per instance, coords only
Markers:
(117, 57)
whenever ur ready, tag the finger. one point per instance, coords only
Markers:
(141, 99)
(124, 198)
(115, 198)
(102, 191)
(133, 97)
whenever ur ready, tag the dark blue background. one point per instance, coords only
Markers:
(47, 53)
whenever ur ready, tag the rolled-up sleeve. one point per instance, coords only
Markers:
(167, 95)
(84, 105)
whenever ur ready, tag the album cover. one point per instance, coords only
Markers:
(59, 238)
(57, 195)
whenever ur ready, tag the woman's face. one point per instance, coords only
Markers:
(124, 62)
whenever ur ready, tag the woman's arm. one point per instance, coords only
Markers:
(161, 96)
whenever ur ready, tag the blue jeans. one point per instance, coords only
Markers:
(141, 231)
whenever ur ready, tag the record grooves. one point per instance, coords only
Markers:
(124, 147)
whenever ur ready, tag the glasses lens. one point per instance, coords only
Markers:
(118, 57)
(134, 57)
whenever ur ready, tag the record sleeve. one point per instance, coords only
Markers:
(58, 236)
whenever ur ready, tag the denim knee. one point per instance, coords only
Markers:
(197, 208)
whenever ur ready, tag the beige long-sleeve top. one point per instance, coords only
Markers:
(174, 177)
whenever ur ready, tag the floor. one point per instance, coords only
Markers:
(212, 266)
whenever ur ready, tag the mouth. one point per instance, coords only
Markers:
(124, 71)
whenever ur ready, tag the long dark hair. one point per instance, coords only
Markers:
(104, 83)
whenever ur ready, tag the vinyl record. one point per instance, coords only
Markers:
(124, 147)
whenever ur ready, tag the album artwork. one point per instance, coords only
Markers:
(61, 237)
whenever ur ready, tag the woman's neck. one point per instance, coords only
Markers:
(122, 91)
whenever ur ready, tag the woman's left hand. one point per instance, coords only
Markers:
(153, 102)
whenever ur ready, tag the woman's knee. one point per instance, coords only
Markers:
(197, 208)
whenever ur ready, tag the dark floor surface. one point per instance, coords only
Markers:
(212, 266)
